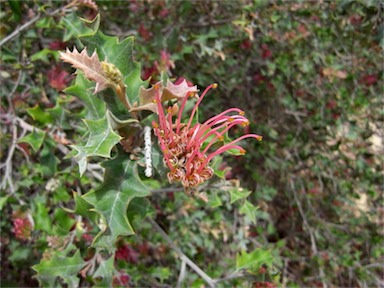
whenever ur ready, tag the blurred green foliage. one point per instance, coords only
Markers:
(309, 76)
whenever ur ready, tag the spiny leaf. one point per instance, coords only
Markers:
(62, 266)
(76, 26)
(121, 185)
(95, 107)
(117, 123)
(90, 65)
(254, 261)
(35, 139)
(168, 92)
(100, 142)
(105, 271)
(238, 193)
(110, 49)
(119, 53)
(249, 210)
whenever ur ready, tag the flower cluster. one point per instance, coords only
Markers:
(22, 228)
(187, 147)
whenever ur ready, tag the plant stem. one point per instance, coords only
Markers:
(182, 256)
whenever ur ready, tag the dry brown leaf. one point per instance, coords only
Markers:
(90, 65)
(170, 91)
(330, 73)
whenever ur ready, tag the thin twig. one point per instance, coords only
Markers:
(8, 162)
(166, 190)
(182, 274)
(182, 256)
(26, 25)
(19, 29)
(309, 229)
(234, 275)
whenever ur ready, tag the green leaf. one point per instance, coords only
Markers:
(133, 82)
(60, 114)
(238, 193)
(162, 273)
(35, 139)
(39, 115)
(3, 201)
(138, 210)
(81, 206)
(100, 142)
(62, 266)
(252, 262)
(110, 49)
(83, 89)
(48, 161)
(105, 271)
(249, 210)
(116, 123)
(214, 200)
(15, 7)
(110, 201)
(76, 26)
(42, 55)
(119, 53)
(41, 214)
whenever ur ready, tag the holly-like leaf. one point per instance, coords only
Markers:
(100, 142)
(116, 123)
(252, 262)
(82, 207)
(95, 107)
(170, 91)
(138, 210)
(110, 49)
(35, 139)
(90, 65)
(119, 53)
(62, 266)
(105, 271)
(40, 115)
(121, 185)
(75, 28)
(238, 193)
(249, 210)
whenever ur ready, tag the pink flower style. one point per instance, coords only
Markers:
(187, 147)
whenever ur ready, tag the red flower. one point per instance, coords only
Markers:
(186, 146)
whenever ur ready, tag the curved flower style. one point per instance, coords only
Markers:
(185, 146)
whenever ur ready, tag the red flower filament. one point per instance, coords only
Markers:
(186, 147)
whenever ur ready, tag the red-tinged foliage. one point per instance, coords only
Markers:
(22, 228)
(369, 79)
(266, 53)
(355, 19)
(57, 45)
(121, 280)
(246, 44)
(87, 237)
(264, 285)
(58, 78)
(144, 33)
(127, 253)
